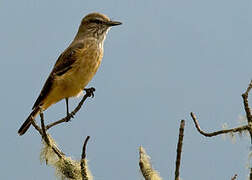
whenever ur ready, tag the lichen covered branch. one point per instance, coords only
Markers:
(65, 167)
(45, 137)
(145, 166)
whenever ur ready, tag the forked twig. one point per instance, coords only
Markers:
(65, 166)
(247, 127)
(89, 93)
(233, 130)
(43, 129)
(44, 136)
(225, 131)
(179, 148)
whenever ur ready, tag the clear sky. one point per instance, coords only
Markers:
(167, 59)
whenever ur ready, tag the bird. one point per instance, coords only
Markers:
(75, 67)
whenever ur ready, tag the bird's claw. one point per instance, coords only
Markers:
(90, 91)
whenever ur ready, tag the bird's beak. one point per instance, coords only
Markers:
(113, 23)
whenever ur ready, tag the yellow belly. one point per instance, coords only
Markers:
(75, 80)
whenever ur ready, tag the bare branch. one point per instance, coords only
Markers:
(247, 108)
(225, 131)
(250, 175)
(84, 172)
(247, 127)
(44, 135)
(89, 93)
(179, 148)
(249, 88)
(234, 177)
(83, 156)
(37, 127)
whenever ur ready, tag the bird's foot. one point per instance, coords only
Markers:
(90, 91)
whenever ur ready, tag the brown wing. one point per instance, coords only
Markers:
(62, 65)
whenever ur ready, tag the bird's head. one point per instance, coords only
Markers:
(96, 25)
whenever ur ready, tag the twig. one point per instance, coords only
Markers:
(179, 148)
(250, 175)
(37, 127)
(59, 153)
(83, 155)
(249, 88)
(44, 135)
(89, 93)
(66, 167)
(84, 173)
(225, 131)
(234, 177)
(247, 108)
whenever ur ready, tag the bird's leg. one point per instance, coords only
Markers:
(90, 91)
(69, 116)
(67, 108)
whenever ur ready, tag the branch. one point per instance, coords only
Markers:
(44, 136)
(89, 93)
(179, 148)
(250, 175)
(145, 166)
(84, 173)
(234, 177)
(247, 108)
(37, 127)
(64, 166)
(225, 131)
(83, 156)
(52, 155)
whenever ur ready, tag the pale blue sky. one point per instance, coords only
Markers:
(167, 59)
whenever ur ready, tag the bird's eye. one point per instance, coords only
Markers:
(97, 21)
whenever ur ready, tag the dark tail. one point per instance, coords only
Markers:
(25, 126)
